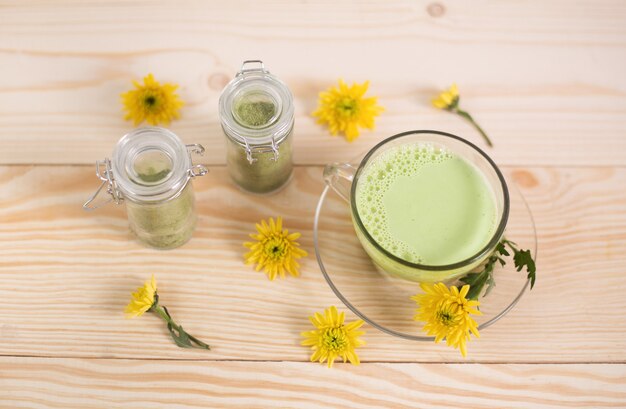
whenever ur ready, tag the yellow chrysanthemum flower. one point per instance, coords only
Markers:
(448, 99)
(332, 338)
(143, 299)
(446, 312)
(146, 299)
(275, 250)
(344, 109)
(152, 102)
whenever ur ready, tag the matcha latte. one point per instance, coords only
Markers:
(426, 205)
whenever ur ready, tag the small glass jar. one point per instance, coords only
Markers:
(257, 115)
(150, 171)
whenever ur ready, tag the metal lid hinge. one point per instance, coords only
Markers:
(196, 170)
(105, 174)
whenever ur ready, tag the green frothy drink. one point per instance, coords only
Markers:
(426, 205)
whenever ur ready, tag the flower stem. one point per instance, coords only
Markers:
(179, 335)
(166, 317)
(511, 245)
(478, 128)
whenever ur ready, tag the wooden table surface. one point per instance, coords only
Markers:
(545, 78)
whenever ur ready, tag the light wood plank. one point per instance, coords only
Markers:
(545, 79)
(78, 383)
(65, 274)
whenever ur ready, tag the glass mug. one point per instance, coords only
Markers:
(343, 178)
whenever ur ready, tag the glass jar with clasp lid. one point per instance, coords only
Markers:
(151, 171)
(257, 116)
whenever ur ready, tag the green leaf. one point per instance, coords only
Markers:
(181, 337)
(476, 285)
(199, 344)
(484, 278)
(523, 258)
(474, 279)
(478, 280)
(502, 250)
(184, 340)
(490, 284)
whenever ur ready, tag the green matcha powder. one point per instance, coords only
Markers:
(166, 224)
(255, 114)
(265, 174)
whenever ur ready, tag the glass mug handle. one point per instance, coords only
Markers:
(339, 177)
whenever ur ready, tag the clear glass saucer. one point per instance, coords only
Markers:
(385, 303)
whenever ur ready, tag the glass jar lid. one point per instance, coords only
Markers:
(256, 108)
(150, 164)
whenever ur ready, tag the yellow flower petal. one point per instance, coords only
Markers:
(344, 109)
(447, 99)
(353, 358)
(332, 339)
(142, 300)
(446, 313)
(454, 90)
(275, 250)
(151, 102)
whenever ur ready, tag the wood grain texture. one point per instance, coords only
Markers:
(66, 274)
(544, 79)
(109, 384)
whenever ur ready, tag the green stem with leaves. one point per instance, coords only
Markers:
(160, 311)
(179, 335)
(479, 279)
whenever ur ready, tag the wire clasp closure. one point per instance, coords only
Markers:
(105, 174)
